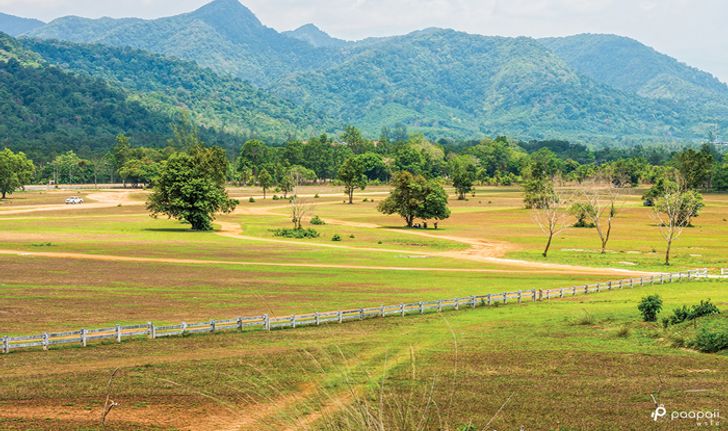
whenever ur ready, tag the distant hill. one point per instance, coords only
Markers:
(15, 25)
(589, 88)
(44, 110)
(315, 37)
(223, 35)
(628, 65)
(220, 103)
(447, 82)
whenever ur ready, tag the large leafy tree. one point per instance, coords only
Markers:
(16, 170)
(353, 175)
(415, 197)
(191, 188)
(695, 167)
(463, 173)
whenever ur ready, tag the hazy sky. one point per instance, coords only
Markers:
(693, 31)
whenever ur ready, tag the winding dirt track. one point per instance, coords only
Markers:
(478, 251)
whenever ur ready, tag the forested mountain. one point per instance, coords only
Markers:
(448, 82)
(44, 110)
(166, 85)
(15, 25)
(315, 37)
(444, 83)
(628, 65)
(223, 35)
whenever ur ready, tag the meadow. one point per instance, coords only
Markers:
(585, 363)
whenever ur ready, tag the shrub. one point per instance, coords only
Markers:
(316, 221)
(711, 340)
(650, 307)
(623, 332)
(295, 233)
(684, 313)
(316, 196)
(352, 236)
(336, 237)
(586, 319)
(251, 200)
(275, 197)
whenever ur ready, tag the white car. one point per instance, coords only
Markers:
(75, 200)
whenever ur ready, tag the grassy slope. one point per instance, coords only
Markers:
(560, 373)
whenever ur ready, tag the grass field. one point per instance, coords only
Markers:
(586, 363)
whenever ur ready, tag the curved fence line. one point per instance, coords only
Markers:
(265, 322)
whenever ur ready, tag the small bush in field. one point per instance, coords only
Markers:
(336, 237)
(650, 307)
(316, 220)
(251, 200)
(296, 233)
(711, 340)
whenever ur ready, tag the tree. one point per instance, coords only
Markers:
(139, 171)
(674, 212)
(538, 192)
(353, 138)
(254, 155)
(650, 306)
(265, 180)
(695, 167)
(463, 174)
(551, 217)
(352, 175)
(601, 199)
(191, 188)
(299, 210)
(415, 197)
(16, 170)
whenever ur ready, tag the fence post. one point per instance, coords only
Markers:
(152, 330)
(473, 299)
(401, 310)
(266, 322)
(457, 304)
(340, 316)
(118, 333)
(45, 341)
(318, 319)
(489, 299)
(422, 308)
(6, 344)
(561, 293)
(439, 306)
(240, 323)
(381, 311)
(361, 314)
(83, 338)
(505, 297)
(642, 281)
(520, 296)
(293, 322)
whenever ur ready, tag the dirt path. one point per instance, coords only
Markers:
(98, 200)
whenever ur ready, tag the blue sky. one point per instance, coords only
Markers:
(693, 31)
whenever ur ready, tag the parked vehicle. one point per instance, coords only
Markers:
(74, 200)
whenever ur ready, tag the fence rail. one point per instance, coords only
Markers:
(724, 272)
(265, 322)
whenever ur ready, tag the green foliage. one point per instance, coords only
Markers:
(414, 197)
(538, 193)
(353, 175)
(191, 188)
(650, 306)
(583, 212)
(695, 167)
(336, 237)
(16, 170)
(685, 313)
(463, 174)
(317, 221)
(296, 233)
(711, 339)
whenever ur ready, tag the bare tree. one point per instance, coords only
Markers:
(299, 209)
(602, 200)
(674, 212)
(552, 217)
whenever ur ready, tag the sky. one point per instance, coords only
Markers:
(693, 31)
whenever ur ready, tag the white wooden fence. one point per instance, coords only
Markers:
(265, 322)
(724, 272)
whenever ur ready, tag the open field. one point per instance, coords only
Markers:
(108, 262)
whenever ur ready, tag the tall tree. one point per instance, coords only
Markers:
(415, 197)
(551, 217)
(463, 172)
(191, 188)
(266, 181)
(674, 212)
(16, 170)
(352, 175)
(601, 201)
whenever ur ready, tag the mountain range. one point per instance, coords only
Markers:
(241, 79)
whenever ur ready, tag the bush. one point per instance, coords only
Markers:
(275, 197)
(296, 233)
(251, 200)
(336, 237)
(352, 236)
(684, 313)
(711, 340)
(623, 332)
(650, 307)
(316, 221)
(316, 196)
